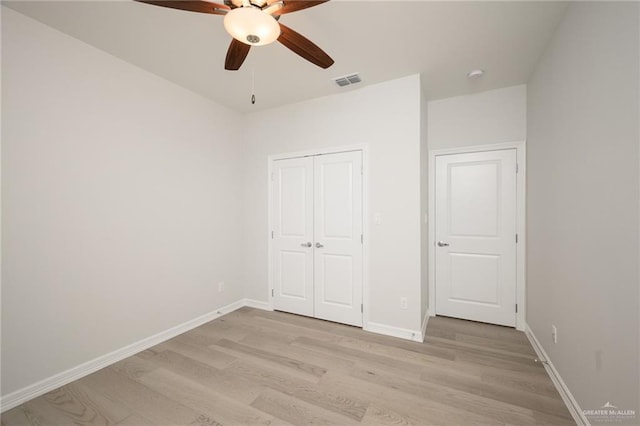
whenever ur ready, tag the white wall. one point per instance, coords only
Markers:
(424, 206)
(386, 117)
(583, 177)
(484, 118)
(120, 203)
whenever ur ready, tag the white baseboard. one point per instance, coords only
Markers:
(39, 388)
(425, 321)
(561, 386)
(258, 304)
(388, 330)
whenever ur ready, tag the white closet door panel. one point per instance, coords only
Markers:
(338, 237)
(292, 251)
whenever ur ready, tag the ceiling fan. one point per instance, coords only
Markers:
(255, 23)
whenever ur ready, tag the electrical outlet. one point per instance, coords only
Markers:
(403, 303)
(554, 333)
(220, 286)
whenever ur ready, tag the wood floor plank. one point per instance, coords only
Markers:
(213, 403)
(255, 330)
(457, 347)
(200, 352)
(332, 400)
(500, 362)
(327, 362)
(540, 385)
(550, 420)
(136, 420)
(513, 347)
(289, 365)
(298, 320)
(20, 416)
(35, 412)
(378, 416)
(86, 405)
(236, 387)
(133, 367)
(410, 407)
(296, 411)
(533, 401)
(409, 367)
(296, 329)
(489, 331)
(74, 403)
(489, 347)
(355, 355)
(205, 421)
(140, 399)
(488, 356)
(501, 411)
(398, 353)
(260, 367)
(212, 331)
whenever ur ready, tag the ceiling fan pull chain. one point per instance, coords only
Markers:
(253, 86)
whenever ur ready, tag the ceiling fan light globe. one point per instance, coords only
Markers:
(251, 26)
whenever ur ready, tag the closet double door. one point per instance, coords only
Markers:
(316, 239)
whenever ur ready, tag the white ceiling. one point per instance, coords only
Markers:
(381, 40)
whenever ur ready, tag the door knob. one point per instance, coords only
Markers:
(306, 244)
(442, 244)
(318, 245)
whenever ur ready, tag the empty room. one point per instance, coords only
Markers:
(297, 212)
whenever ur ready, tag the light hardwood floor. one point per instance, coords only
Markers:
(257, 367)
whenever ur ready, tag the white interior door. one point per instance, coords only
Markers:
(476, 236)
(316, 259)
(338, 237)
(292, 235)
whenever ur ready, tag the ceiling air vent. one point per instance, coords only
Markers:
(347, 80)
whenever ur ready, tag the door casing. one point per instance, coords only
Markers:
(365, 215)
(520, 147)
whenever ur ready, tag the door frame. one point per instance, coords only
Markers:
(521, 179)
(364, 148)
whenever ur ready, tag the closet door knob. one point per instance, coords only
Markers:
(442, 244)
(306, 244)
(318, 245)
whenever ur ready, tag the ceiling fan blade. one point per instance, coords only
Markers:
(236, 55)
(295, 5)
(304, 47)
(191, 6)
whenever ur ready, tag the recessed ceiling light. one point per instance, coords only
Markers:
(475, 73)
